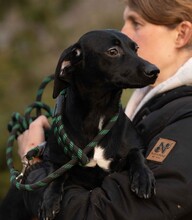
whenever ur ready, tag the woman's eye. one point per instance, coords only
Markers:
(135, 24)
(113, 52)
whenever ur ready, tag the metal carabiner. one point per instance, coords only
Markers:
(26, 164)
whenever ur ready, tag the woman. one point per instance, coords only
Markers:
(162, 114)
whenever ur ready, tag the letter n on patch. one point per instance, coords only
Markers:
(161, 150)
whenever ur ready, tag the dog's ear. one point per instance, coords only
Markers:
(65, 68)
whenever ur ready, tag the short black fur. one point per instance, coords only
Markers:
(94, 71)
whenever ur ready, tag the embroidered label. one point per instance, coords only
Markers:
(161, 150)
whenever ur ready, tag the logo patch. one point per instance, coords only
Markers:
(161, 150)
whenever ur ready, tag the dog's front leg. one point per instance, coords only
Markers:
(141, 177)
(52, 197)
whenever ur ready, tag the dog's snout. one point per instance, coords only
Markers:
(151, 70)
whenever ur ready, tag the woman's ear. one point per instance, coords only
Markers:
(184, 34)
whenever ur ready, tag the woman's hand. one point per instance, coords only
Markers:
(33, 136)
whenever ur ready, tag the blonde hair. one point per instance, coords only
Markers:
(163, 12)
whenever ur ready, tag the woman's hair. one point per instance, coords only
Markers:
(163, 12)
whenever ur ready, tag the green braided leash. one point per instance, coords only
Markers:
(20, 123)
(68, 145)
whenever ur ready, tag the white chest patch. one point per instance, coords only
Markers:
(99, 159)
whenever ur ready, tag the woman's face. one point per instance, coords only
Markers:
(156, 43)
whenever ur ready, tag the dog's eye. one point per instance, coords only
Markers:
(113, 52)
(76, 52)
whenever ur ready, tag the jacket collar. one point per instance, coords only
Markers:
(140, 96)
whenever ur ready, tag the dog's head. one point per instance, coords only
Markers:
(103, 57)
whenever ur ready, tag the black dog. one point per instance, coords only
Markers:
(95, 70)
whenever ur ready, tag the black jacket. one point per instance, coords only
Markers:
(165, 123)
(167, 116)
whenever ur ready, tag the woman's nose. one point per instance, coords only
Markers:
(126, 29)
(123, 29)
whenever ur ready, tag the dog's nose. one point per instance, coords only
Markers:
(151, 70)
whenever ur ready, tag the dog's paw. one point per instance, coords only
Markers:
(49, 208)
(142, 181)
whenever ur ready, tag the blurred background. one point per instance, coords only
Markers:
(33, 34)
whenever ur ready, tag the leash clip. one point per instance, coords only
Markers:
(26, 164)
